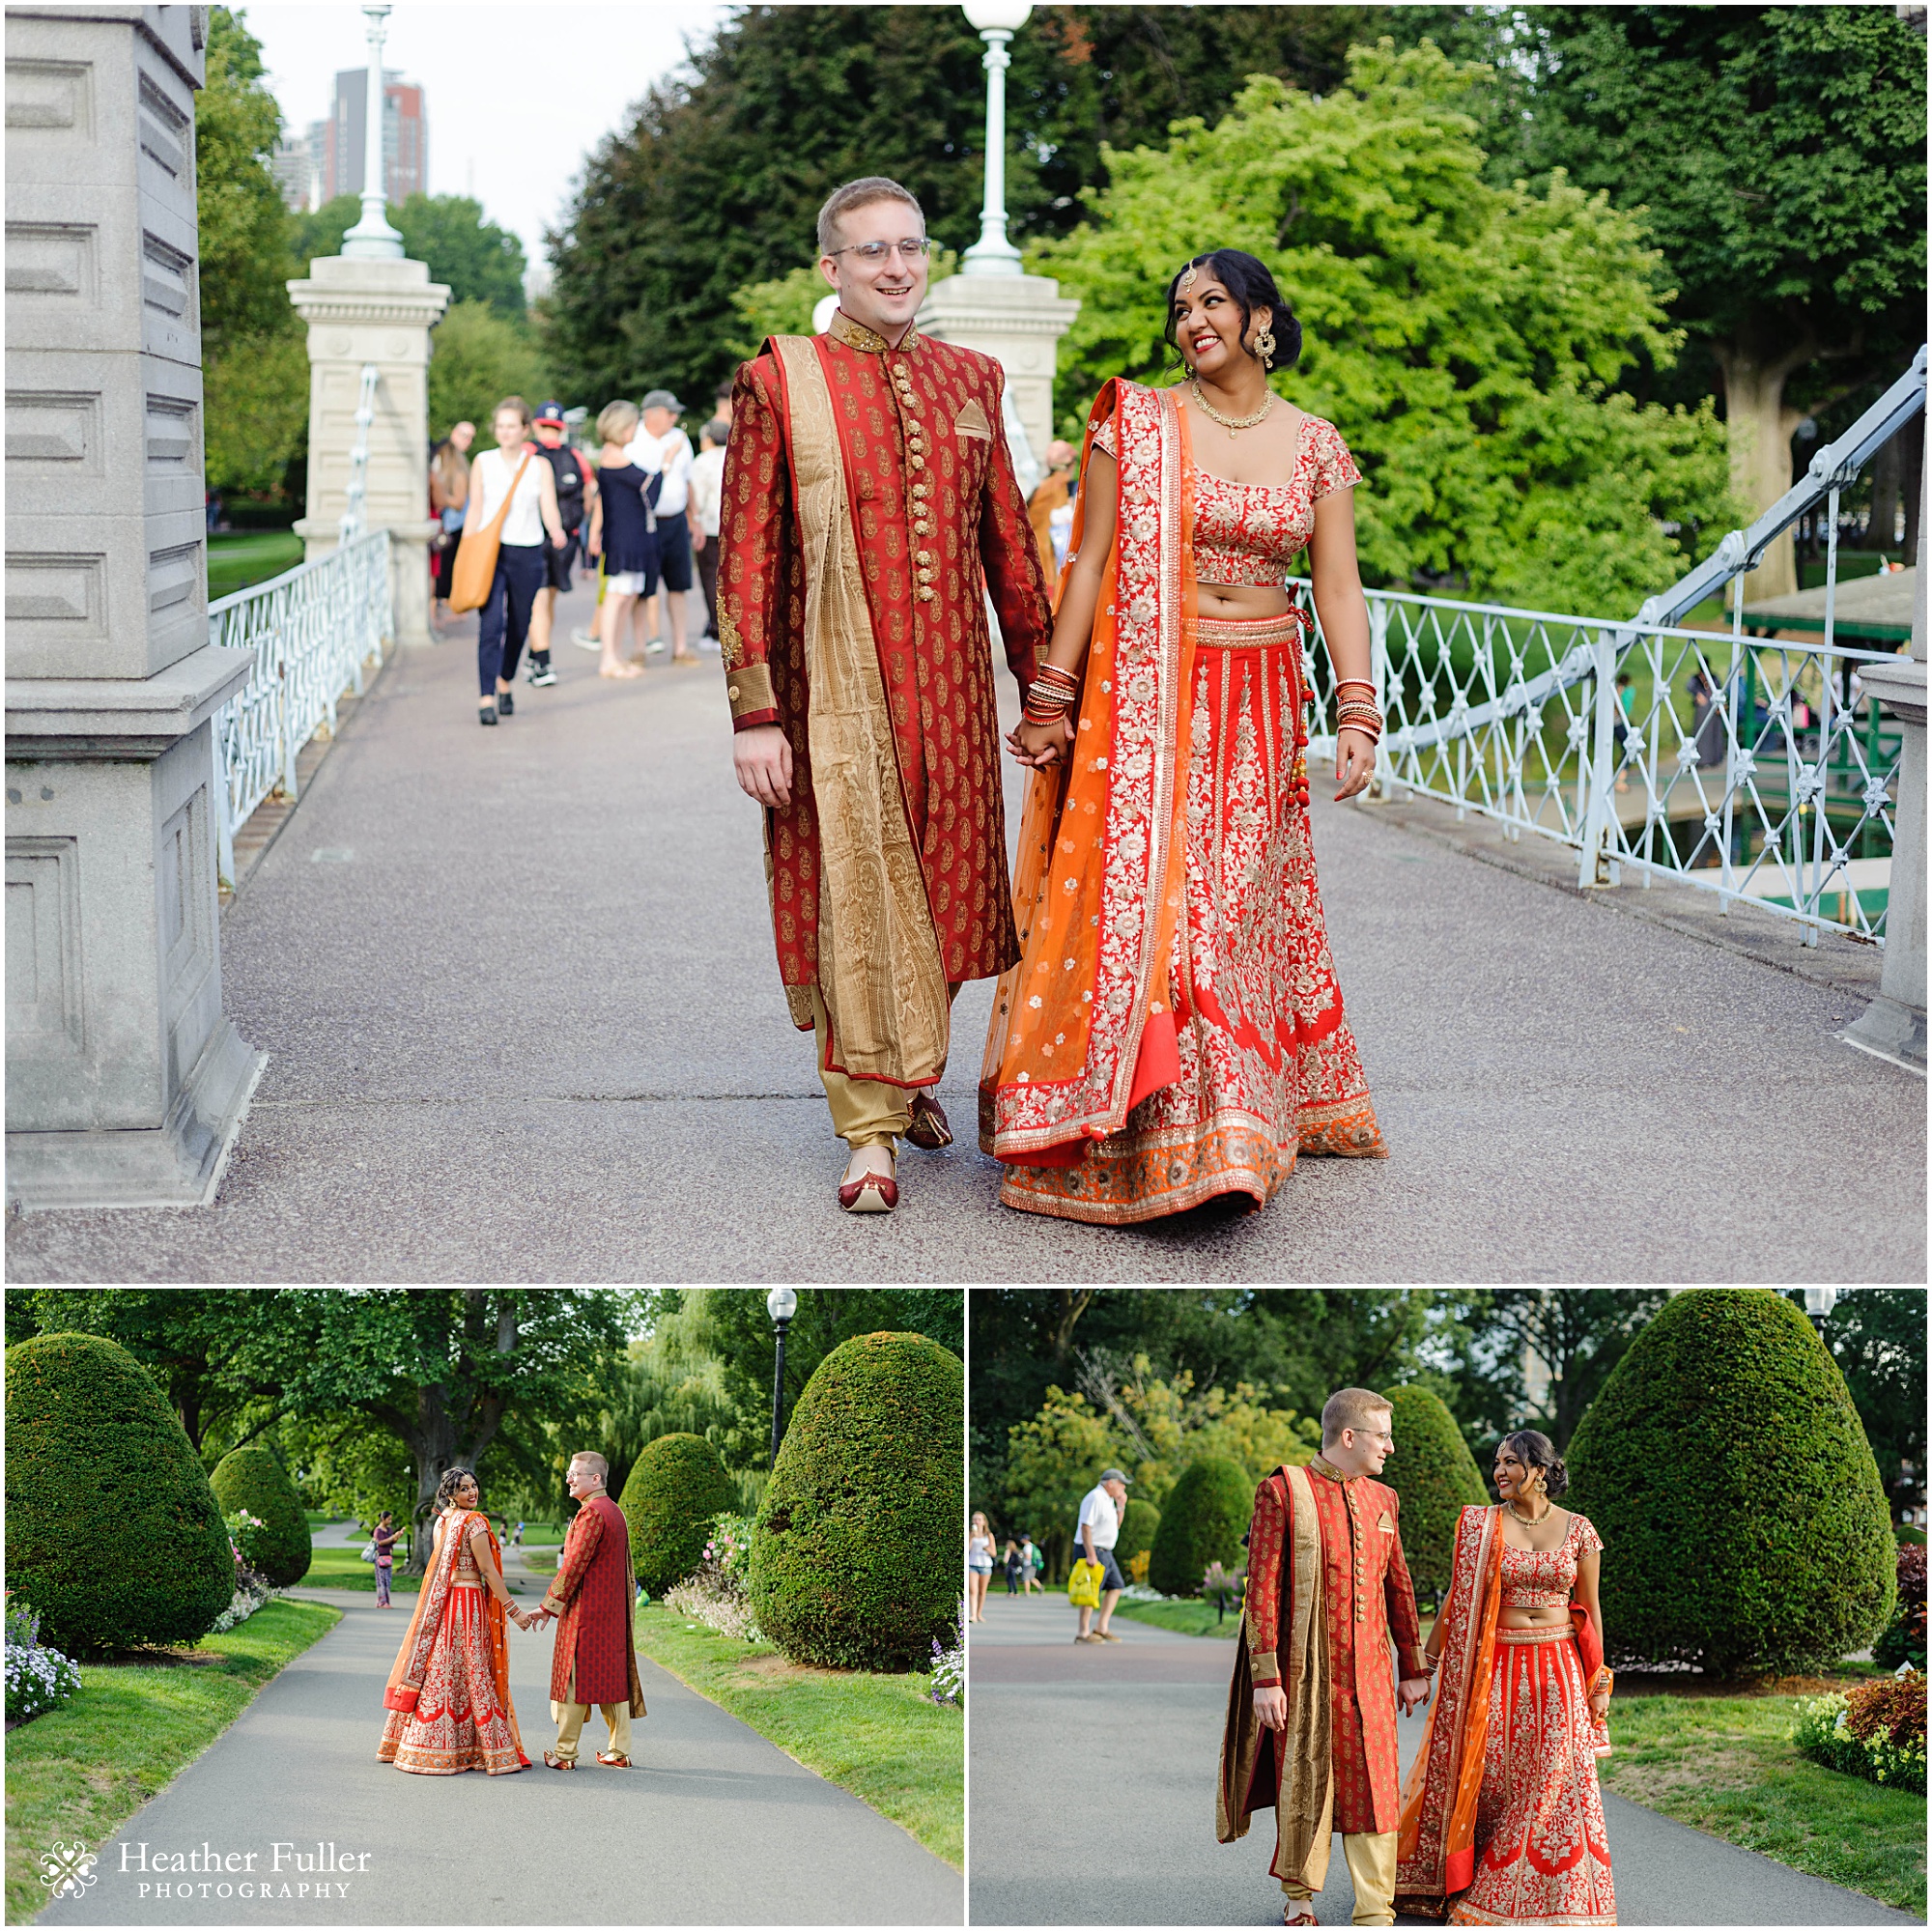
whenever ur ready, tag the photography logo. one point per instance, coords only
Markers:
(68, 1869)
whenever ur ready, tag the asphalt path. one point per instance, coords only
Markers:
(712, 1826)
(1091, 1799)
(524, 1023)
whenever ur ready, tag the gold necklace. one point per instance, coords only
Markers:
(1231, 423)
(1533, 1521)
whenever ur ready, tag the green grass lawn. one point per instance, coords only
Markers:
(80, 1772)
(1722, 1764)
(873, 1735)
(345, 1569)
(1191, 1619)
(249, 556)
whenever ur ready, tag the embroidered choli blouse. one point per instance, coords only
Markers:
(1250, 533)
(1542, 1579)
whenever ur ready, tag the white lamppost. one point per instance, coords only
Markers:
(372, 238)
(997, 21)
(781, 1303)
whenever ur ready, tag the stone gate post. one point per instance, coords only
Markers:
(126, 1083)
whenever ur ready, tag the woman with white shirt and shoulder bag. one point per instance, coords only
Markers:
(512, 495)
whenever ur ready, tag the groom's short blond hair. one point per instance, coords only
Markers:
(857, 195)
(1350, 1407)
(590, 1458)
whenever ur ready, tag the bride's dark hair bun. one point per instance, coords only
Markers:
(1535, 1450)
(1247, 279)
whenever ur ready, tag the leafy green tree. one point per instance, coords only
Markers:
(1433, 1473)
(478, 357)
(1778, 1554)
(455, 1375)
(255, 368)
(1876, 1337)
(1776, 156)
(676, 1489)
(212, 1350)
(717, 182)
(1577, 1334)
(252, 1478)
(112, 1531)
(1464, 337)
(1202, 1521)
(479, 261)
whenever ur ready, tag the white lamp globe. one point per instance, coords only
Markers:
(781, 1303)
(1001, 17)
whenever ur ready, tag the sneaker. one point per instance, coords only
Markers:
(486, 716)
(584, 640)
(656, 647)
(507, 705)
(544, 678)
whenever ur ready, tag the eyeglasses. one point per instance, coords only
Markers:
(876, 252)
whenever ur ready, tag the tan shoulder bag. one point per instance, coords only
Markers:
(476, 566)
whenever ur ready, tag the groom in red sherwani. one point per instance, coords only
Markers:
(869, 509)
(592, 1598)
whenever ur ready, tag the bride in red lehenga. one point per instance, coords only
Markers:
(1174, 1030)
(449, 1695)
(1502, 1821)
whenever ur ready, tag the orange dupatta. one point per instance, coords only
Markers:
(1436, 1841)
(407, 1672)
(1083, 1027)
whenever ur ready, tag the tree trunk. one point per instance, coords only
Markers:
(1759, 428)
(432, 1447)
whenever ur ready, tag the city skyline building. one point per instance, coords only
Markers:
(405, 137)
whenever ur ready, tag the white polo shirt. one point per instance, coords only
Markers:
(671, 454)
(1097, 1507)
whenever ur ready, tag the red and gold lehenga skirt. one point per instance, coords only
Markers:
(1267, 1067)
(1543, 1852)
(460, 1720)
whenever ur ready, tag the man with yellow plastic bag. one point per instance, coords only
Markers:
(1099, 1530)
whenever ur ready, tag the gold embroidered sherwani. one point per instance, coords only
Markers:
(1328, 1592)
(870, 506)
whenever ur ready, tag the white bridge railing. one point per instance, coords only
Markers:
(1749, 768)
(313, 632)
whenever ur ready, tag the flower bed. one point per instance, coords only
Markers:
(1878, 1732)
(38, 1680)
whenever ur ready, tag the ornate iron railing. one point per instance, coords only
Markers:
(312, 631)
(1754, 769)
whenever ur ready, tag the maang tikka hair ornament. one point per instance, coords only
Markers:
(1189, 275)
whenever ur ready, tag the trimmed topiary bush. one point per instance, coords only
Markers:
(1205, 1516)
(855, 1560)
(1724, 1464)
(677, 1488)
(252, 1479)
(1436, 1478)
(113, 1534)
(1904, 1637)
(1139, 1521)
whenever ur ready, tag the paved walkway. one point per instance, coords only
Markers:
(714, 1825)
(1092, 1798)
(524, 1023)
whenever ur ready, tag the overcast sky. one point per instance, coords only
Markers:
(516, 96)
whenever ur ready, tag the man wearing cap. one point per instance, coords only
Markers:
(575, 490)
(662, 449)
(869, 510)
(1098, 1531)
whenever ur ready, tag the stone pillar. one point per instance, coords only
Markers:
(126, 1083)
(1893, 1024)
(1020, 321)
(361, 311)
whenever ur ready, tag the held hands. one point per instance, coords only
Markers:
(1271, 1708)
(1040, 745)
(761, 758)
(1354, 762)
(1412, 1692)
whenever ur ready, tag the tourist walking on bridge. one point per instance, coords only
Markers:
(575, 490)
(1175, 1031)
(513, 491)
(449, 492)
(860, 671)
(627, 531)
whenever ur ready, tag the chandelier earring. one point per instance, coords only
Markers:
(1264, 348)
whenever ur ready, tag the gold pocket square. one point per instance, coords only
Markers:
(973, 422)
(1386, 1526)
